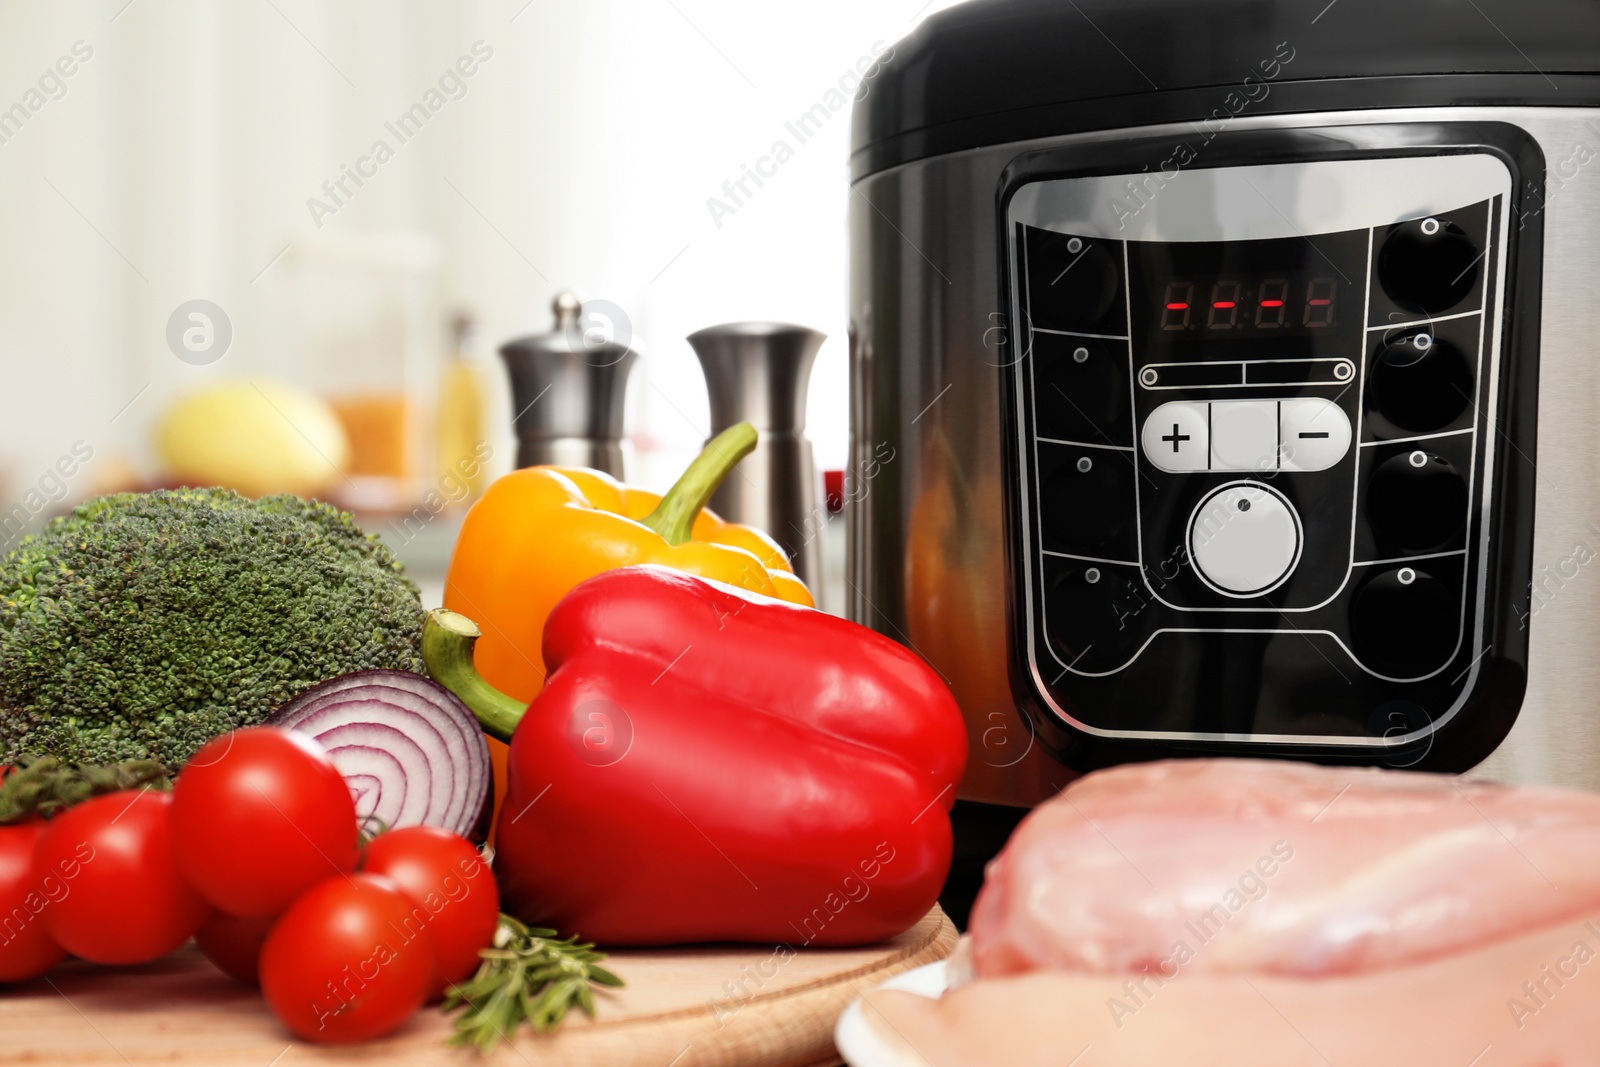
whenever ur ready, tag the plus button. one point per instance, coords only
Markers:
(1187, 447)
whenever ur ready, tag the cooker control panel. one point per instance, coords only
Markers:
(1255, 419)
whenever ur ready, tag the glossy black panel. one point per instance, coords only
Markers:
(1372, 635)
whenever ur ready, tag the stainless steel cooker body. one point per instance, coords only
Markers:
(946, 492)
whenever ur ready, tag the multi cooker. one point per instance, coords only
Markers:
(1224, 381)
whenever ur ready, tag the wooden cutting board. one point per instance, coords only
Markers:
(716, 1006)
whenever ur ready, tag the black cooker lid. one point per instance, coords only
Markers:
(993, 71)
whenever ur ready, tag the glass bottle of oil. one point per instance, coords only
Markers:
(463, 432)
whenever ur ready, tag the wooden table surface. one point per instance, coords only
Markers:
(715, 1006)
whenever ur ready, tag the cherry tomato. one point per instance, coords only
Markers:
(260, 815)
(123, 899)
(452, 887)
(234, 945)
(26, 949)
(347, 961)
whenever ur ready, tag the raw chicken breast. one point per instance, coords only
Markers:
(1505, 1004)
(1277, 868)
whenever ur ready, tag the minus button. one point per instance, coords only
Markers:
(1314, 434)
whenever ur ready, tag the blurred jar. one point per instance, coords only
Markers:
(364, 325)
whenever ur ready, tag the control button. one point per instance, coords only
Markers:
(1094, 615)
(1428, 265)
(1315, 433)
(1419, 383)
(1244, 435)
(1074, 283)
(1175, 437)
(1405, 628)
(1244, 539)
(1088, 500)
(1303, 434)
(1417, 503)
(1081, 390)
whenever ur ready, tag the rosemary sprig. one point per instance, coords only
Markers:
(44, 786)
(528, 975)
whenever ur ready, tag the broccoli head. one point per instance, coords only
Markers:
(142, 625)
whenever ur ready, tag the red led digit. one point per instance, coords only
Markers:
(1274, 296)
(1224, 314)
(1179, 297)
(1319, 302)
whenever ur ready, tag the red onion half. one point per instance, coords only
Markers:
(412, 753)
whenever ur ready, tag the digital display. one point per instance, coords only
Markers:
(1286, 301)
(1270, 299)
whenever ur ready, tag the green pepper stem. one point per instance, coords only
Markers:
(447, 642)
(674, 517)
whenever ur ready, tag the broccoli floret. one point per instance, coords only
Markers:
(142, 625)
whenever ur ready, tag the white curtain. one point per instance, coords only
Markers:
(180, 158)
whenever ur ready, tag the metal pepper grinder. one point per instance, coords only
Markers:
(568, 389)
(757, 372)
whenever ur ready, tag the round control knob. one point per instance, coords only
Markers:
(1429, 265)
(1420, 383)
(1405, 622)
(1417, 503)
(1244, 539)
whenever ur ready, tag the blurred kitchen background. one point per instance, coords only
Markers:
(285, 238)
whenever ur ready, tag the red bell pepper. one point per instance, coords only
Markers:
(708, 765)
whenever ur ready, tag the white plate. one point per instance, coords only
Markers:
(860, 1044)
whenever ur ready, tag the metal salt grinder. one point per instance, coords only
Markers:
(757, 372)
(568, 389)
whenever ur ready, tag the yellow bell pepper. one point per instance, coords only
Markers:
(539, 531)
